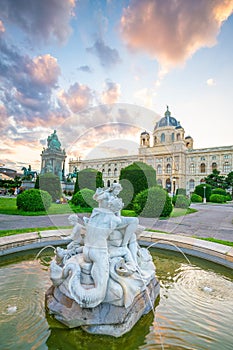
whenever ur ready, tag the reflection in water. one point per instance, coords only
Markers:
(194, 310)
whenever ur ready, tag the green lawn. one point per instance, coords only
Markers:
(8, 206)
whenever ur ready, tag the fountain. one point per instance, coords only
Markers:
(103, 281)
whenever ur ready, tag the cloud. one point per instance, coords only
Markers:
(210, 82)
(111, 93)
(27, 84)
(2, 28)
(173, 30)
(44, 70)
(42, 20)
(76, 98)
(86, 69)
(107, 56)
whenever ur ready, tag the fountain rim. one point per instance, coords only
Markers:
(215, 252)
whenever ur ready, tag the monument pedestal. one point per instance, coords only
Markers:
(105, 318)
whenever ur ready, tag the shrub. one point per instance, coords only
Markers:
(88, 178)
(51, 183)
(181, 191)
(153, 202)
(181, 201)
(228, 197)
(219, 191)
(200, 191)
(217, 198)
(33, 200)
(195, 198)
(135, 178)
(84, 198)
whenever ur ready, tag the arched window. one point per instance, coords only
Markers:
(178, 137)
(115, 172)
(168, 185)
(169, 169)
(109, 171)
(192, 168)
(202, 167)
(226, 167)
(173, 137)
(162, 137)
(108, 183)
(103, 171)
(159, 182)
(214, 166)
(191, 185)
(159, 169)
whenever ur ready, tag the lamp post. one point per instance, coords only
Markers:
(204, 198)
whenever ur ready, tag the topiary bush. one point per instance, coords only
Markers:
(84, 198)
(33, 200)
(228, 197)
(199, 189)
(153, 202)
(51, 183)
(195, 198)
(181, 201)
(217, 198)
(219, 191)
(181, 191)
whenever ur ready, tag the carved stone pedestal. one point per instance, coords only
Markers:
(105, 318)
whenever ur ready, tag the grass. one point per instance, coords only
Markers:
(4, 233)
(209, 239)
(215, 240)
(8, 206)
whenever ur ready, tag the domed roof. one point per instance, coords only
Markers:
(145, 133)
(167, 121)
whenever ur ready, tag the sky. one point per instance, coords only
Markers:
(102, 71)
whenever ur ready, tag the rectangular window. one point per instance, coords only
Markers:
(202, 158)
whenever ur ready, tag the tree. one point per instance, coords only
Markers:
(215, 180)
(229, 182)
(50, 183)
(135, 178)
(88, 178)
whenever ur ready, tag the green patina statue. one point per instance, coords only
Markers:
(53, 143)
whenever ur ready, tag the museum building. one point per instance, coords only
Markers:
(170, 153)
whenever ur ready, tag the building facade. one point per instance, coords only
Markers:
(171, 154)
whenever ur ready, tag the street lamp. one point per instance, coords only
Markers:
(204, 198)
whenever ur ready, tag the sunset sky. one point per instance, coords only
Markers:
(100, 71)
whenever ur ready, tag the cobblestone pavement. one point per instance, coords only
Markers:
(210, 221)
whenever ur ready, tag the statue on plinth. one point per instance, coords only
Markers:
(103, 281)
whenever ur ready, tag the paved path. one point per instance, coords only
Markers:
(210, 221)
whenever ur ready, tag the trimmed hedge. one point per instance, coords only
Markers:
(217, 198)
(195, 198)
(200, 191)
(219, 191)
(152, 203)
(181, 191)
(180, 201)
(51, 183)
(33, 200)
(84, 198)
(88, 178)
(135, 178)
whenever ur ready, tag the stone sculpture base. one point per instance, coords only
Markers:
(106, 318)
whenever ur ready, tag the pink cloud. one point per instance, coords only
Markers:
(111, 93)
(44, 70)
(77, 98)
(172, 31)
(2, 28)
